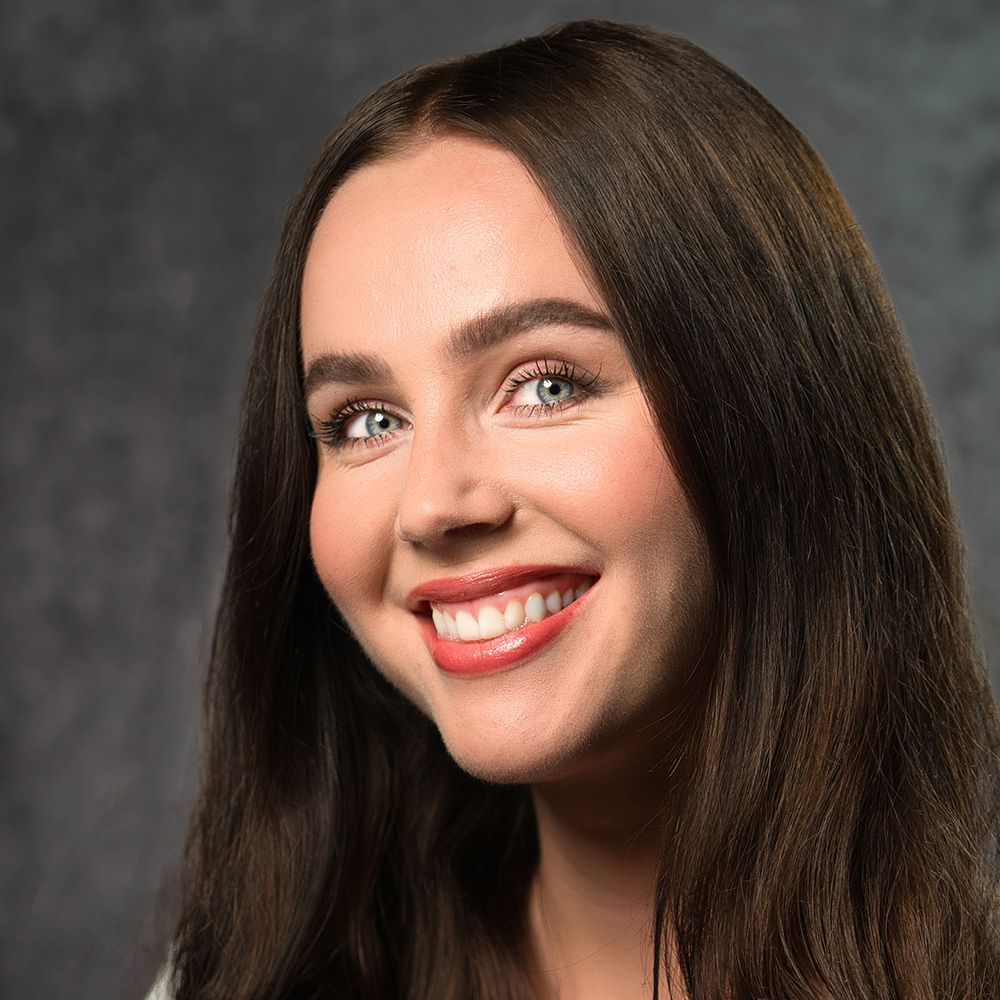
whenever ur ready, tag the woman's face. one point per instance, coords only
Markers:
(526, 444)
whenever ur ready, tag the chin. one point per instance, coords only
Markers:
(516, 760)
(498, 771)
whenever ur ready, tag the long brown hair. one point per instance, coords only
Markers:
(838, 836)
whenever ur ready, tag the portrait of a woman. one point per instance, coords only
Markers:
(596, 622)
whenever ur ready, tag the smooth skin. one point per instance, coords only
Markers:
(450, 474)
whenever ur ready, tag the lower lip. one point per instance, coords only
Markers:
(472, 659)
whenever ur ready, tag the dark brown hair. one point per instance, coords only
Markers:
(842, 841)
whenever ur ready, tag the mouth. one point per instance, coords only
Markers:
(501, 632)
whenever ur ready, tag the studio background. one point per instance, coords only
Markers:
(148, 152)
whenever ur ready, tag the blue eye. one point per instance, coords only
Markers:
(378, 422)
(557, 386)
(547, 391)
(560, 384)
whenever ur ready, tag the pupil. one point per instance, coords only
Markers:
(548, 386)
(379, 420)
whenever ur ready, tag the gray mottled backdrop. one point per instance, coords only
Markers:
(148, 152)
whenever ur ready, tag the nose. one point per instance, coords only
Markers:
(453, 487)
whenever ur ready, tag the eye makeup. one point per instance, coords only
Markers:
(553, 376)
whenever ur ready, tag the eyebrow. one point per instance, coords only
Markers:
(474, 336)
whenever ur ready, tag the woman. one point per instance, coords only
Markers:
(595, 623)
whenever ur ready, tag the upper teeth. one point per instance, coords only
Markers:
(492, 622)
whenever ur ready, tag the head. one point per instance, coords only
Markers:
(756, 471)
(535, 448)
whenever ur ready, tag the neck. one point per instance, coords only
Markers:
(590, 908)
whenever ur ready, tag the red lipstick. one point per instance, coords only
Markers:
(484, 582)
(474, 658)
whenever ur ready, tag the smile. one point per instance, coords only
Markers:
(490, 617)
(542, 619)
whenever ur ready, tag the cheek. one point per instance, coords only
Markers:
(346, 536)
(612, 482)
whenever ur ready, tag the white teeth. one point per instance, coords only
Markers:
(513, 615)
(468, 627)
(491, 623)
(534, 608)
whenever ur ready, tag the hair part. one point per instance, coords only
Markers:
(837, 833)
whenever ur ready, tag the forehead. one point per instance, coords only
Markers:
(418, 243)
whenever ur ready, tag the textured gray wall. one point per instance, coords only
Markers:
(148, 152)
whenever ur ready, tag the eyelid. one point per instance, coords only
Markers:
(562, 370)
(331, 426)
(589, 385)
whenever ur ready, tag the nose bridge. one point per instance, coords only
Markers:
(450, 481)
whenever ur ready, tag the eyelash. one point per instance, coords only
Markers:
(331, 432)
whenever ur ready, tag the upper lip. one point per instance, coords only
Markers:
(483, 583)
